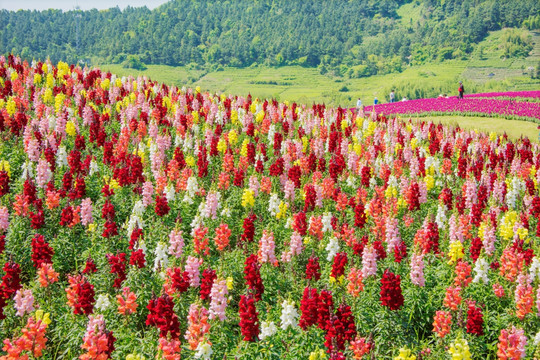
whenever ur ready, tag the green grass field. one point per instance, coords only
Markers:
(307, 85)
(513, 128)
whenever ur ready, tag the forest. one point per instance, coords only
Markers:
(352, 38)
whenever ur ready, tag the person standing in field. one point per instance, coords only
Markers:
(375, 101)
(461, 90)
(392, 96)
(358, 106)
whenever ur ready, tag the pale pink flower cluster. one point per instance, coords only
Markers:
(417, 270)
(96, 324)
(86, 212)
(489, 239)
(267, 248)
(32, 149)
(455, 229)
(369, 262)
(176, 243)
(254, 185)
(24, 302)
(392, 234)
(192, 267)
(212, 205)
(4, 218)
(218, 302)
(296, 247)
(147, 192)
(43, 173)
(289, 190)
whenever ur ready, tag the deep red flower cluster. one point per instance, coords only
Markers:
(11, 281)
(475, 320)
(325, 308)
(340, 329)
(413, 197)
(310, 198)
(294, 175)
(137, 258)
(309, 308)
(300, 224)
(208, 277)
(180, 279)
(359, 215)
(249, 318)
(391, 295)
(249, 228)
(432, 234)
(118, 267)
(163, 317)
(4, 183)
(252, 275)
(338, 267)
(42, 253)
(90, 267)
(313, 269)
(162, 207)
(81, 295)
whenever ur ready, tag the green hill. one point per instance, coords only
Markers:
(353, 39)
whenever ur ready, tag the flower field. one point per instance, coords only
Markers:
(512, 105)
(141, 221)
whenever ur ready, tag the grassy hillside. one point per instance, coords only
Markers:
(307, 85)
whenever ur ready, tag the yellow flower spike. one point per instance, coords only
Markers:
(332, 280)
(459, 350)
(11, 107)
(50, 80)
(414, 142)
(340, 279)
(105, 84)
(37, 79)
(232, 137)
(230, 283)
(134, 86)
(70, 128)
(14, 76)
(59, 102)
(248, 199)
(195, 115)
(344, 124)
(198, 89)
(92, 227)
(305, 143)
(118, 82)
(430, 182)
(307, 240)
(243, 149)
(405, 354)
(456, 252)
(45, 68)
(44, 317)
(282, 210)
(259, 117)
(190, 161)
(234, 117)
(253, 108)
(223, 97)
(358, 149)
(2, 102)
(222, 145)
(4, 165)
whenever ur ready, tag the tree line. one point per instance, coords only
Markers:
(352, 38)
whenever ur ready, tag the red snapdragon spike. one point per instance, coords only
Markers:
(379, 249)
(110, 229)
(11, 281)
(249, 320)
(391, 295)
(475, 320)
(400, 251)
(300, 223)
(310, 199)
(180, 280)
(208, 277)
(37, 219)
(137, 259)
(325, 307)
(80, 294)
(2, 243)
(136, 236)
(313, 269)
(4, 183)
(163, 317)
(277, 168)
(252, 276)
(42, 253)
(118, 267)
(359, 215)
(90, 267)
(338, 267)
(309, 308)
(162, 207)
(294, 175)
(249, 228)
(238, 178)
(67, 216)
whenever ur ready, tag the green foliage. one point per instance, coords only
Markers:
(277, 33)
(134, 62)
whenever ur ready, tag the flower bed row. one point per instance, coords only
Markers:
(143, 221)
(469, 105)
